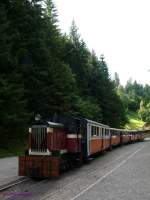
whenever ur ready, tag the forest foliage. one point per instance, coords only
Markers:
(45, 71)
(135, 97)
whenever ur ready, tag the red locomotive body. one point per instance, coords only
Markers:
(73, 143)
(46, 142)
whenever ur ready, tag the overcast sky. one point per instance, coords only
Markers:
(119, 29)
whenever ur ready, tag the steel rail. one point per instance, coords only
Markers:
(13, 183)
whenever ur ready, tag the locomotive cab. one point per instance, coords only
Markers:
(47, 138)
(47, 142)
(52, 147)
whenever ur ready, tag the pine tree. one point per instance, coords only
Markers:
(79, 60)
(103, 90)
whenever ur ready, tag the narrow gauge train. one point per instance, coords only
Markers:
(57, 145)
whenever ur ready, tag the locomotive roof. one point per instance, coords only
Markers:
(48, 123)
(54, 124)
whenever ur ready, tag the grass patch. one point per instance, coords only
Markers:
(134, 122)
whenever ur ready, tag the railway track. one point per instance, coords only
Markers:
(13, 183)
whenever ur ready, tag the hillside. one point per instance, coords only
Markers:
(133, 121)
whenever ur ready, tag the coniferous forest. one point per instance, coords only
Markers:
(45, 71)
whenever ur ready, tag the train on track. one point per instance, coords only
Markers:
(57, 145)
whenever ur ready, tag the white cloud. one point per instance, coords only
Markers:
(119, 29)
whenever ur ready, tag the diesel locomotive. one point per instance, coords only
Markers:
(57, 145)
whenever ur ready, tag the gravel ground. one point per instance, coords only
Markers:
(8, 170)
(122, 174)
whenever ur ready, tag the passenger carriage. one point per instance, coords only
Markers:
(115, 136)
(98, 137)
(126, 138)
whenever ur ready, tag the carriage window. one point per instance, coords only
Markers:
(93, 131)
(107, 132)
(100, 132)
(103, 131)
(97, 131)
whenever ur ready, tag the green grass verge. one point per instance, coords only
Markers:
(134, 121)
